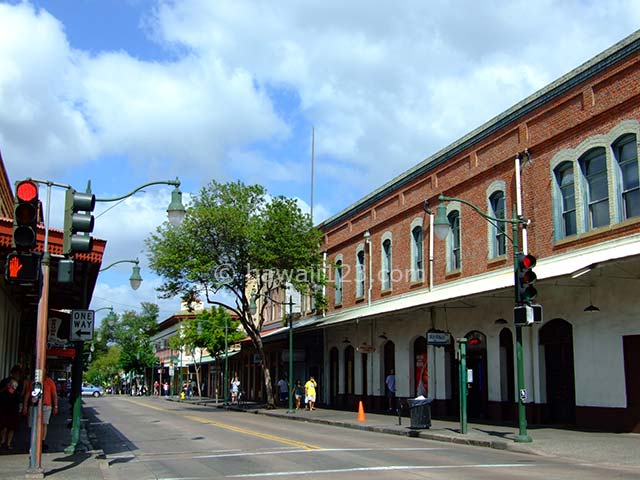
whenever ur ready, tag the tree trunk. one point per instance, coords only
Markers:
(266, 374)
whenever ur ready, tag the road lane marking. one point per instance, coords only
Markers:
(141, 404)
(318, 450)
(253, 433)
(233, 428)
(381, 469)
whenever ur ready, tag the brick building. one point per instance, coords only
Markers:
(567, 156)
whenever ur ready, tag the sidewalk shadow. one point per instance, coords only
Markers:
(105, 436)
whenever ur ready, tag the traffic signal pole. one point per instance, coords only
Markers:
(522, 437)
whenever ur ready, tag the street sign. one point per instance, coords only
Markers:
(81, 325)
(438, 339)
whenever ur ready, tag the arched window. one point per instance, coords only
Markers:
(565, 183)
(386, 264)
(349, 381)
(594, 169)
(360, 274)
(338, 282)
(626, 153)
(454, 260)
(498, 239)
(417, 256)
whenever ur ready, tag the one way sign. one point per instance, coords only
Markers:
(81, 325)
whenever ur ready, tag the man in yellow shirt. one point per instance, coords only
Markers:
(310, 392)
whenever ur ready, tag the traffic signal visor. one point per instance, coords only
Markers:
(526, 277)
(25, 216)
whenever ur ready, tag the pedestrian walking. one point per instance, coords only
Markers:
(283, 387)
(9, 406)
(390, 382)
(49, 401)
(165, 388)
(235, 389)
(156, 388)
(297, 393)
(310, 392)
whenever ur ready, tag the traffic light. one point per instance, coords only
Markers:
(25, 217)
(525, 278)
(22, 268)
(78, 223)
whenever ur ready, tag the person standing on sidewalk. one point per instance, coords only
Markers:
(9, 407)
(49, 401)
(283, 387)
(390, 382)
(297, 393)
(165, 388)
(310, 392)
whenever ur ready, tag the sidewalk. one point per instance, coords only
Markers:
(83, 465)
(619, 449)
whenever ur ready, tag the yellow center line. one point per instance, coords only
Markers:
(265, 436)
(147, 406)
(233, 428)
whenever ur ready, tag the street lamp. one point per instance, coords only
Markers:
(176, 212)
(253, 309)
(135, 280)
(442, 229)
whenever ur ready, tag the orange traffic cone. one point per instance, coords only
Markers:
(361, 417)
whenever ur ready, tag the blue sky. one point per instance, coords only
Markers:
(131, 91)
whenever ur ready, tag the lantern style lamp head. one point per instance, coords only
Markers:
(135, 280)
(441, 224)
(176, 210)
(253, 308)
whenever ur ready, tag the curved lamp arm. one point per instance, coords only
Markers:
(513, 221)
(175, 182)
(441, 223)
(135, 280)
(175, 211)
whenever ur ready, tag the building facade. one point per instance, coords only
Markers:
(566, 159)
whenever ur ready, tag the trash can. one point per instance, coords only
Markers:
(420, 409)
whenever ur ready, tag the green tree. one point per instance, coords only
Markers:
(105, 369)
(205, 333)
(235, 236)
(133, 332)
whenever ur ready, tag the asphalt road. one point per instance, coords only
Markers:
(149, 438)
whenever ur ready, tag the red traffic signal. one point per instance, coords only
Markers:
(525, 277)
(25, 216)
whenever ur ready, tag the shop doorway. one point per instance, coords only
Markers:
(557, 339)
(389, 364)
(420, 367)
(478, 392)
(334, 375)
(507, 375)
(631, 346)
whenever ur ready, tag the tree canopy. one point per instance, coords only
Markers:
(237, 239)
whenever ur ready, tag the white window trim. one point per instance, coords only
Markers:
(496, 186)
(338, 258)
(605, 141)
(361, 281)
(386, 236)
(417, 222)
(453, 206)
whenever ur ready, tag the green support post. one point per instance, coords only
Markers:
(463, 385)
(291, 410)
(522, 437)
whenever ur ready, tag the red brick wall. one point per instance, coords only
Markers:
(591, 108)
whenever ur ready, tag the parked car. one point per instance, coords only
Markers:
(91, 390)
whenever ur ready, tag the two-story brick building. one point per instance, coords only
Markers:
(567, 158)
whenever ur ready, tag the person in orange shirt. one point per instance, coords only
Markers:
(49, 403)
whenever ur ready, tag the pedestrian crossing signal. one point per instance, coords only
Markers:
(22, 268)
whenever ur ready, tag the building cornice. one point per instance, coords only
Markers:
(616, 53)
